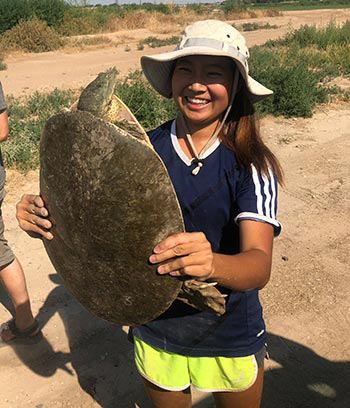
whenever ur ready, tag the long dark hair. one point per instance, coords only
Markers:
(242, 136)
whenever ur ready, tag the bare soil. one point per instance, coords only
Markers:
(85, 362)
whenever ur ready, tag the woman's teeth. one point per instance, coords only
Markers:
(197, 101)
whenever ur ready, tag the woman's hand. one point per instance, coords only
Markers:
(187, 253)
(31, 215)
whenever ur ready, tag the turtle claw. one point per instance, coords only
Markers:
(203, 296)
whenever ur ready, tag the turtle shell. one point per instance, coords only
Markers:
(110, 200)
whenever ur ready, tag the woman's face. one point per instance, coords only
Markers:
(201, 87)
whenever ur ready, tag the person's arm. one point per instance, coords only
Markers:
(32, 216)
(190, 254)
(4, 125)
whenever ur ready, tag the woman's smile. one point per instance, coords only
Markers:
(196, 103)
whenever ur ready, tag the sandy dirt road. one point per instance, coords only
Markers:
(85, 362)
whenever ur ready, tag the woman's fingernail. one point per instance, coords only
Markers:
(161, 269)
(156, 249)
(152, 259)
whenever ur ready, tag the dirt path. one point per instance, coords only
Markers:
(85, 362)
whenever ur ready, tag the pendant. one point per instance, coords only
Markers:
(195, 171)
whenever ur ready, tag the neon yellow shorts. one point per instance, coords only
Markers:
(175, 372)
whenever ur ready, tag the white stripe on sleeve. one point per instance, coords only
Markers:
(267, 195)
(258, 194)
(273, 201)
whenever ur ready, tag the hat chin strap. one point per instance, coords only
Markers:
(199, 157)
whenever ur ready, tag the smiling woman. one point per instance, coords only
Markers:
(225, 179)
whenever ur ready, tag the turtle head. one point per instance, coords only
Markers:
(97, 96)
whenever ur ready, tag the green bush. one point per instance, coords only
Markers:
(150, 109)
(27, 117)
(321, 37)
(197, 8)
(13, 11)
(154, 42)
(257, 26)
(297, 89)
(229, 6)
(31, 36)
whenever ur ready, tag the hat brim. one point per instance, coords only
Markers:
(158, 70)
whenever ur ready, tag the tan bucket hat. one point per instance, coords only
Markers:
(208, 37)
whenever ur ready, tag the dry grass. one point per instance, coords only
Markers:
(89, 42)
(246, 14)
(31, 36)
(164, 24)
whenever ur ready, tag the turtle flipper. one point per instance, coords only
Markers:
(203, 296)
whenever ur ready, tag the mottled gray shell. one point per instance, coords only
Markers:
(111, 201)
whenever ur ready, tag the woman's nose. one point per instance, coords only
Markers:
(197, 86)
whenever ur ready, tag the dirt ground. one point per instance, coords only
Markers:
(85, 362)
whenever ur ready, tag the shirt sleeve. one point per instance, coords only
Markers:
(257, 199)
(2, 100)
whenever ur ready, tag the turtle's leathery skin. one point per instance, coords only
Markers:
(96, 97)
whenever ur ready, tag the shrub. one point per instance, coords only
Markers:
(27, 117)
(256, 26)
(322, 37)
(197, 8)
(31, 36)
(13, 11)
(297, 89)
(340, 57)
(154, 42)
(148, 106)
(229, 6)
(89, 41)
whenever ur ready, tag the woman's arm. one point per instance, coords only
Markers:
(4, 126)
(251, 268)
(190, 254)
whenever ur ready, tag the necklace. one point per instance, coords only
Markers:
(198, 157)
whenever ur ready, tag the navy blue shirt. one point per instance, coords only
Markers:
(213, 201)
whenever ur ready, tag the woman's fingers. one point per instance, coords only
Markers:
(31, 213)
(179, 251)
(175, 240)
(186, 253)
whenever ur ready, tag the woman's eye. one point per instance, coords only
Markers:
(183, 69)
(214, 73)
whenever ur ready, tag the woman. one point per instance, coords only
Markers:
(226, 182)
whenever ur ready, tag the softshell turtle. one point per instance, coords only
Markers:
(110, 200)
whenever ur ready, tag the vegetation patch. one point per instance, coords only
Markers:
(89, 41)
(3, 66)
(31, 36)
(299, 68)
(13, 11)
(154, 42)
(257, 26)
(150, 109)
(27, 117)
(323, 37)
(299, 4)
